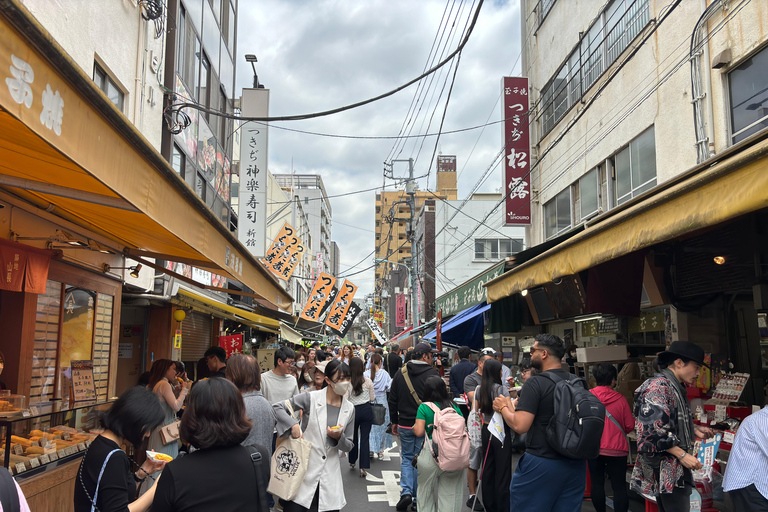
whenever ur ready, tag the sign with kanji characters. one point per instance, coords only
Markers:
(83, 388)
(232, 344)
(177, 340)
(284, 254)
(517, 151)
(468, 294)
(318, 297)
(254, 140)
(376, 330)
(400, 310)
(290, 264)
(341, 305)
(346, 324)
(329, 301)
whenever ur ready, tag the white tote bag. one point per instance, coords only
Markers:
(289, 465)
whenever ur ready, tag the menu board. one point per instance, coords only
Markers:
(83, 387)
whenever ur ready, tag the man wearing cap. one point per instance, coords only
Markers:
(665, 429)
(402, 411)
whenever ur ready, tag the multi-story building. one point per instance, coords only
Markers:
(335, 259)
(311, 190)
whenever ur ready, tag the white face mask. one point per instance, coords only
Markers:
(300, 364)
(342, 388)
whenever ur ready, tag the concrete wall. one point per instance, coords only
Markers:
(112, 33)
(629, 105)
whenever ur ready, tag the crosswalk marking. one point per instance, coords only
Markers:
(388, 484)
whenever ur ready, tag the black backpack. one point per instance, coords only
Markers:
(577, 426)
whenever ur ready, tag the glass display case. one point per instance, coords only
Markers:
(42, 437)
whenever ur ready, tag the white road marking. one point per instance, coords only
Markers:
(389, 486)
(389, 454)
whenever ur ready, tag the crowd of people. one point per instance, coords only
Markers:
(232, 419)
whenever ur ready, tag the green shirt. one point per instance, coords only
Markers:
(428, 415)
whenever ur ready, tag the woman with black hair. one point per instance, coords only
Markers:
(219, 474)
(107, 478)
(450, 491)
(665, 429)
(327, 422)
(161, 377)
(361, 396)
(496, 472)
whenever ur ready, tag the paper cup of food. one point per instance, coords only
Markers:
(335, 428)
(159, 457)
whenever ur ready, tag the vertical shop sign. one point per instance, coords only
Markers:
(400, 310)
(232, 344)
(517, 150)
(376, 330)
(341, 305)
(318, 297)
(177, 340)
(252, 231)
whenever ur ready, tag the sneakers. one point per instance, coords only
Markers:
(478, 506)
(413, 507)
(405, 500)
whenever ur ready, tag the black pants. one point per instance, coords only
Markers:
(497, 473)
(616, 469)
(289, 506)
(748, 498)
(363, 423)
(678, 501)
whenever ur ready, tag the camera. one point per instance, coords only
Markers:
(443, 357)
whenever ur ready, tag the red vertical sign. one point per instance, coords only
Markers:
(232, 344)
(517, 151)
(400, 310)
(439, 337)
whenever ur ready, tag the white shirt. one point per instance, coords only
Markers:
(278, 389)
(749, 456)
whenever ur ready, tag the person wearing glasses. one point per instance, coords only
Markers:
(278, 384)
(216, 358)
(328, 422)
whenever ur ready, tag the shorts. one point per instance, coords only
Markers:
(475, 458)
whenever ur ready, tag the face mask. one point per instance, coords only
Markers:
(300, 364)
(342, 388)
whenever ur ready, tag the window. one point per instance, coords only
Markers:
(178, 160)
(200, 186)
(496, 248)
(634, 167)
(600, 46)
(204, 84)
(543, 9)
(748, 88)
(557, 213)
(589, 197)
(106, 84)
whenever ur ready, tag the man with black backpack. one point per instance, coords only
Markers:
(564, 422)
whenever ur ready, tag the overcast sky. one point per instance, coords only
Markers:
(316, 55)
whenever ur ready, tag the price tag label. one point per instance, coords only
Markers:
(62, 453)
(81, 446)
(34, 462)
(729, 437)
(26, 413)
(35, 443)
(45, 459)
(20, 468)
(34, 410)
(53, 456)
(18, 449)
(88, 442)
(65, 436)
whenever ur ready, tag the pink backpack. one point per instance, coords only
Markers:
(450, 441)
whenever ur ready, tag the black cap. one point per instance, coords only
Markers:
(422, 348)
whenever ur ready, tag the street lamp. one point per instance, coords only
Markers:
(249, 57)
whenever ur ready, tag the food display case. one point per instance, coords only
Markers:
(40, 438)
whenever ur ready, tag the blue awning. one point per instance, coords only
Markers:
(466, 328)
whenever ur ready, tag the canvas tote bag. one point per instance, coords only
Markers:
(289, 464)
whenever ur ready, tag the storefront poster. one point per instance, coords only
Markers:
(341, 305)
(266, 358)
(83, 388)
(517, 147)
(77, 325)
(318, 297)
(233, 344)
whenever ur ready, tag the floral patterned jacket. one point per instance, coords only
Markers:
(657, 430)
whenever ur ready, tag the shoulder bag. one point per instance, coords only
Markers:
(98, 481)
(404, 371)
(475, 424)
(170, 433)
(289, 464)
(259, 457)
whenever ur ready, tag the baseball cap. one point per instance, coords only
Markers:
(422, 348)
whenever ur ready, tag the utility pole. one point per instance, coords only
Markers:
(410, 190)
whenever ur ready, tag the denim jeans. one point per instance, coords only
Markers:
(410, 445)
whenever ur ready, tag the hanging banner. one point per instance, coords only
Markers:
(439, 332)
(376, 330)
(329, 301)
(177, 340)
(346, 324)
(318, 297)
(516, 141)
(232, 344)
(400, 310)
(279, 243)
(252, 218)
(341, 305)
(297, 253)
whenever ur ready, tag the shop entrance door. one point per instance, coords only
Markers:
(130, 351)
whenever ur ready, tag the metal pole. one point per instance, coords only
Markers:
(413, 277)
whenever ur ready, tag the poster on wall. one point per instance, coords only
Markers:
(517, 148)
(232, 344)
(83, 387)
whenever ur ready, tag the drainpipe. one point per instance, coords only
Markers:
(706, 70)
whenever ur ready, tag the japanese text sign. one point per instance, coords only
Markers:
(252, 230)
(288, 266)
(346, 323)
(232, 344)
(83, 387)
(376, 330)
(400, 309)
(341, 305)
(318, 297)
(517, 149)
(331, 298)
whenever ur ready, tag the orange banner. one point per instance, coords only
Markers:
(317, 297)
(287, 267)
(341, 306)
(279, 244)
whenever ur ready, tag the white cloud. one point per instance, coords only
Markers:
(319, 55)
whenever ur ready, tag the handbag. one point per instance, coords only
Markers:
(629, 445)
(95, 498)
(379, 413)
(289, 464)
(475, 425)
(170, 433)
